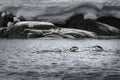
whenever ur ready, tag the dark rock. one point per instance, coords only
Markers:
(100, 29)
(113, 21)
(16, 32)
(3, 32)
(5, 18)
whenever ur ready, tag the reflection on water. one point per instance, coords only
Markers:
(23, 60)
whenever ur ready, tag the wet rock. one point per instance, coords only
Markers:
(3, 32)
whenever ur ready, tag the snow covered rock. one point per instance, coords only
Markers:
(59, 33)
(36, 25)
(109, 30)
(20, 29)
(77, 33)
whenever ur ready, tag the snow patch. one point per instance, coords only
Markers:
(90, 16)
(33, 23)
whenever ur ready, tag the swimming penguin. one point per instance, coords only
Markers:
(97, 48)
(74, 49)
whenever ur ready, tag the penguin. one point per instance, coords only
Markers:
(97, 48)
(74, 49)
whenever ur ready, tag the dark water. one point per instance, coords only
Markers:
(23, 60)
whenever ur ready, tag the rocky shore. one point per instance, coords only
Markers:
(59, 19)
(75, 27)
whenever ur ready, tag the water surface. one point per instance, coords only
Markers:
(23, 60)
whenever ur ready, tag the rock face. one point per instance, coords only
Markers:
(29, 29)
(110, 21)
(100, 29)
(36, 18)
